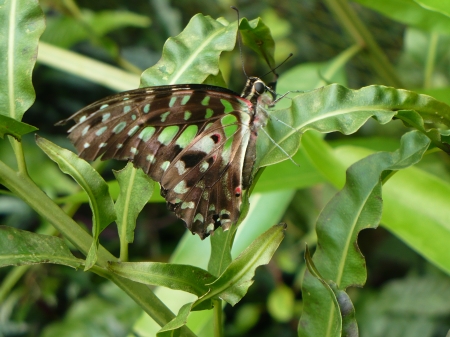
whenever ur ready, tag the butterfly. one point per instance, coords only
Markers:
(198, 141)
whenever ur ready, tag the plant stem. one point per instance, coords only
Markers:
(18, 151)
(218, 321)
(123, 249)
(431, 56)
(359, 32)
(23, 187)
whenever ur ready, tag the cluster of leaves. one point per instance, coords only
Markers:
(337, 263)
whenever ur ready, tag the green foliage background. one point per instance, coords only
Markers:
(405, 295)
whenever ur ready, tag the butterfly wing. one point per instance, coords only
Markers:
(192, 139)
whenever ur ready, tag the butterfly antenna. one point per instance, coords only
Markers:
(239, 37)
(278, 66)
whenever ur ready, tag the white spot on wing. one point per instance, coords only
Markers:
(181, 188)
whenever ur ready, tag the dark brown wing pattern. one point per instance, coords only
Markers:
(192, 139)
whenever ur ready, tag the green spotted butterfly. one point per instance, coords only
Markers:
(198, 141)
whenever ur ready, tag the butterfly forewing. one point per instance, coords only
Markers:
(192, 139)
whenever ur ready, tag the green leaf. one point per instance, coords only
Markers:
(221, 243)
(336, 108)
(257, 36)
(103, 22)
(18, 247)
(88, 68)
(441, 94)
(232, 285)
(415, 208)
(135, 190)
(10, 126)
(411, 13)
(99, 199)
(176, 323)
(216, 80)
(435, 5)
(183, 56)
(357, 206)
(21, 24)
(65, 31)
(322, 292)
(286, 176)
(178, 277)
(114, 191)
(265, 210)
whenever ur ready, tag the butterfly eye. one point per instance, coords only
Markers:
(259, 87)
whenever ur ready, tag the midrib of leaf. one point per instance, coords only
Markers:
(347, 243)
(79, 178)
(324, 116)
(163, 278)
(39, 256)
(192, 57)
(223, 254)
(11, 40)
(127, 204)
(238, 276)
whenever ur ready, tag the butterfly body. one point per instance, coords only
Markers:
(198, 141)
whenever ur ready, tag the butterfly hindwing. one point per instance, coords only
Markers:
(205, 170)
(190, 138)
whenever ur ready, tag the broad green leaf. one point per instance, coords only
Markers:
(415, 208)
(187, 278)
(336, 108)
(135, 190)
(183, 57)
(411, 13)
(357, 206)
(10, 126)
(99, 199)
(257, 36)
(21, 24)
(441, 94)
(216, 80)
(65, 31)
(18, 247)
(414, 200)
(286, 175)
(232, 285)
(439, 6)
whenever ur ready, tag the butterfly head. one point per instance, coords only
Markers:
(254, 88)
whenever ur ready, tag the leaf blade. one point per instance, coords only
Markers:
(100, 201)
(18, 247)
(21, 23)
(182, 59)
